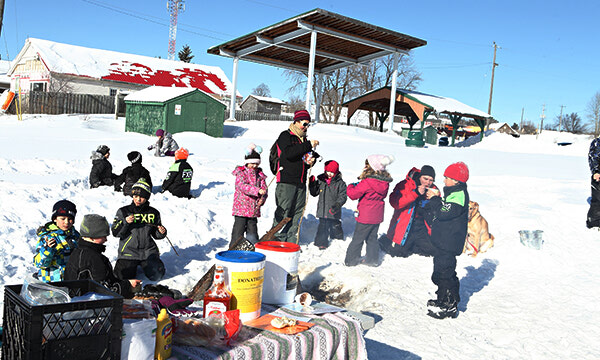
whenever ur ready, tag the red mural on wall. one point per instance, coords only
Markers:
(185, 77)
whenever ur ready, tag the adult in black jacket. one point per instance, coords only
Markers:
(88, 262)
(101, 173)
(295, 158)
(137, 225)
(179, 177)
(331, 190)
(132, 174)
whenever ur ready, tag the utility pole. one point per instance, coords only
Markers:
(492, 86)
(521, 127)
(560, 118)
(541, 120)
(1, 15)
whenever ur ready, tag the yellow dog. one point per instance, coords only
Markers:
(479, 238)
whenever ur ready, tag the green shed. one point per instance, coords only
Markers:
(430, 135)
(174, 109)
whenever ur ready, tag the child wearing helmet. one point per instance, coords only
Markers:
(179, 177)
(450, 217)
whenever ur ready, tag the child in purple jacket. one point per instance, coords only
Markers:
(250, 195)
(370, 192)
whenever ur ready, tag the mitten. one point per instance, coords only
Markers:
(335, 209)
(312, 178)
(150, 147)
(118, 189)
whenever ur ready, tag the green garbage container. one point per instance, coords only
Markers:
(415, 139)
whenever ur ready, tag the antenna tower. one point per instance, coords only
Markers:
(174, 7)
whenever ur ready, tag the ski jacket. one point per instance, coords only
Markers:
(291, 149)
(408, 207)
(130, 176)
(101, 173)
(136, 240)
(88, 262)
(179, 179)
(450, 217)
(51, 261)
(594, 156)
(246, 200)
(370, 193)
(332, 195)
(165, 146)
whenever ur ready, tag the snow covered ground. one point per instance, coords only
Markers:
(517, 302)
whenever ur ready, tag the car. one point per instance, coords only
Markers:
(443, 141)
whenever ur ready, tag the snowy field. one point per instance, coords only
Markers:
(517, 302)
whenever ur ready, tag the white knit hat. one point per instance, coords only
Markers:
(379, 162)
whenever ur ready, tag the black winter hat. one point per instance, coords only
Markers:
(94, 226)
(134, 157)
(252, 154)
(428, 170)
(141, 188)
(64, 208)
(103, 149)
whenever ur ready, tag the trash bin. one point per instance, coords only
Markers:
(415, 139)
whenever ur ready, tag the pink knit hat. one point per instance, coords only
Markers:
(379, 162)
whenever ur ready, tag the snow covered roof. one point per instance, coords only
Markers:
(443, 104)
(130, 68)
(267, 99)
(158, 93)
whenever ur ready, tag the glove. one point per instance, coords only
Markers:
(118, 189)
(150, 147)
(312, 178)
(335, 209)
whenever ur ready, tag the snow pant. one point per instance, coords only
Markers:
(417, 242)
(328, 228)
(290, 200)
(593, 215)
(363, 233)
(244, 225)
(444, 275)
(153, 268)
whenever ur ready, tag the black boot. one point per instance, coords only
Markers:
(447, 307)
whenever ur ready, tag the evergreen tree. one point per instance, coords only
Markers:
(185, 54)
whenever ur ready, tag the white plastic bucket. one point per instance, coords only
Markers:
(281, 271)
(244, 276)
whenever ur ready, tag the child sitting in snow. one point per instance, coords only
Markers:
(165, 144)
(370, 193)
(250, 194)
(179, 176)
(101, 173)
(331, 190)
(132, 174)
(450, 217)
(137, 225)
(88, 262)
(56, 241)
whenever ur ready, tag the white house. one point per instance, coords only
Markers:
(44, 65)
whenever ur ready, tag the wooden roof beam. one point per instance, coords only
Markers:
(265, 61)
(279, 39)
(306, 50)
(349, 37)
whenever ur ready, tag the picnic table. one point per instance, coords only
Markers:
(334, 335)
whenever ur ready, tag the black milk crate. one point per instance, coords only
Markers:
(74, 331)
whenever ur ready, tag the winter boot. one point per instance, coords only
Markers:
(445, 308)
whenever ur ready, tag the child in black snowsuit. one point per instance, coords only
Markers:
(137, 225)
(331, 190)
(179, 177)
(449, 219)
(132, 174)
(101, 173)
(88, 262)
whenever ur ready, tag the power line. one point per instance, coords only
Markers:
(454, 66)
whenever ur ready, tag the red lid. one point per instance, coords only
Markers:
(280, 246)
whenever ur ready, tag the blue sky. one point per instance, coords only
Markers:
(548, 49)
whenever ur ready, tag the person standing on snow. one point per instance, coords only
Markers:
(593, 215)
(165, 144)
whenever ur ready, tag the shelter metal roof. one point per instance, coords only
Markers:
(341, 41)
(412, 103)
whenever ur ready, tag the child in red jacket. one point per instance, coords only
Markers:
(370, 193)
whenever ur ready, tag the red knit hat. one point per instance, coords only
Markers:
(457, 171)
(332, 166)
(300, 115)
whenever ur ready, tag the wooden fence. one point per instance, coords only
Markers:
(40, 102)
(243, 115)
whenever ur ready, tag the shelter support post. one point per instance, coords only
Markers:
(381, 118)
(233, 89)
(454, 119)
(393, 91)
(481, 123)
(319, 97)
(311, 67)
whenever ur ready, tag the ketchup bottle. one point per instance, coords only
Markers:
(217, 298)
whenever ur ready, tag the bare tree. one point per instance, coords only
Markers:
(295, 103)
(572, 123)
(60, 85)
(528, 128)
(262, 90)
(593, 113)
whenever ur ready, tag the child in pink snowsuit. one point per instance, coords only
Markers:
(370, 193)
(250, 194)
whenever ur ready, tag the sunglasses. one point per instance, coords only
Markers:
(305, 124)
